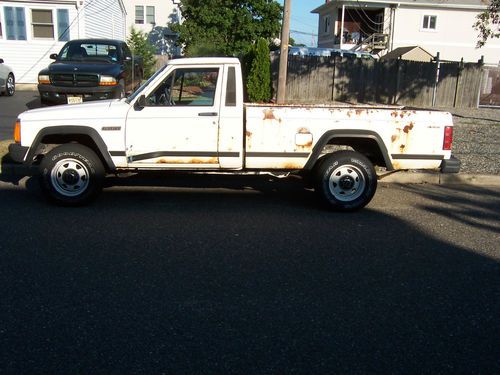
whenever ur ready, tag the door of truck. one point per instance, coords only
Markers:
(179, 124)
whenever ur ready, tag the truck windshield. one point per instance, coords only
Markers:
(89, 52)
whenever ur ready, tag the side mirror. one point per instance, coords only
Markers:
(140, 103)
(1, 61)
(53, 56)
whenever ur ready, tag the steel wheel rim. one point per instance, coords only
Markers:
(70, 177)
(10, 85)
(346, 183)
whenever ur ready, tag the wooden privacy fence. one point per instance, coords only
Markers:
(355, 80)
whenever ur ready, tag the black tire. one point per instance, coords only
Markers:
(71, 175)
(346, 180)
(10, 85)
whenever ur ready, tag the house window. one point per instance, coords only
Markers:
(139, 14)
(150, 14)
(42, 22)
(429, 22)
(326, 25)
(15, 24)
(63, 25)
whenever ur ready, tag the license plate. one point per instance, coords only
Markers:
(74, 99)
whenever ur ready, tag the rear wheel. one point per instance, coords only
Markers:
(71, 175)
(346, 180)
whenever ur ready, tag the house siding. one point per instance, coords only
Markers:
(28, 57)
(105, 19)
(453, 38)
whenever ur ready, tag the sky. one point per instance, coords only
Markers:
(303, 20)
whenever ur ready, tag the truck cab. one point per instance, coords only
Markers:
(194, 117)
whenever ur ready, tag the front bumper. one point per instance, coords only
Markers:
(17, 152)
(59, 95)
(451, 165)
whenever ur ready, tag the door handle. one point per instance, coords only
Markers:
(208, 114)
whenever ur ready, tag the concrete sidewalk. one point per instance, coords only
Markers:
(400, 177)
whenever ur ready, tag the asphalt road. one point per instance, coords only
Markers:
(12, 106)
(249, 276)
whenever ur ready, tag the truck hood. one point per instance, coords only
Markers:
(79, 113)
(82, 67)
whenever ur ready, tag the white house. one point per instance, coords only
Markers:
(443, 26)
(153, 17)
(31, 30)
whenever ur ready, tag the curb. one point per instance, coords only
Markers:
(441, 178)
(403, 177)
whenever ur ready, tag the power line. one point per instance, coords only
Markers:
(303, 33)
(368, 17)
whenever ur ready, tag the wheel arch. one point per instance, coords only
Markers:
(366, 142)
(66, 134)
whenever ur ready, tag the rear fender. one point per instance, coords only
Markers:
(355, 135)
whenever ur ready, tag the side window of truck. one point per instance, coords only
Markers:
(186, 87)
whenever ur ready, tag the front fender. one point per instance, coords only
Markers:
(72, 130)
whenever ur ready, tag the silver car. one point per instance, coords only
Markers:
(7, 80)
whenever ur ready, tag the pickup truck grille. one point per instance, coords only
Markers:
(72, 80)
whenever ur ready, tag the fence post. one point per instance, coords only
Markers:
(334, 93)
(398, 81)
(457, 85)
(436, 81)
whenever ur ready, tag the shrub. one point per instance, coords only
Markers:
(138, 43)
(258, 72)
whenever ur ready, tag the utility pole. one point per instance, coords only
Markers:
(285, 38)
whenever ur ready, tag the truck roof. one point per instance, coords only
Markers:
(97, 40)
(204, 60)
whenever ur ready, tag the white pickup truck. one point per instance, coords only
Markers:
(191, 116)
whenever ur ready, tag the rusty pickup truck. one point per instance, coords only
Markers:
(191, 116)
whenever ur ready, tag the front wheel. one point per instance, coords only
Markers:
(71, 175)
(346, 180)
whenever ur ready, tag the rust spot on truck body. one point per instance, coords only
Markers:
(408, 127)
(188, 161)
(269, 115)
(290, 165)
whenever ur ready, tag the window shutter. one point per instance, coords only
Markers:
(15, 26)
(63, 24)
(20, 24)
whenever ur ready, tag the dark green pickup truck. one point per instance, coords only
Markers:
(90, 69)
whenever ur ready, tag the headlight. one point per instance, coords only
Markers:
(107, 81)
(44, 79)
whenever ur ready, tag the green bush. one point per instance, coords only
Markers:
(258, 72)
(138, 43)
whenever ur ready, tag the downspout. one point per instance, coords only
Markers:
(342, 26)
(393, 25)
(77, 17)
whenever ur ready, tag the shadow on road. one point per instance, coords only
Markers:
(472, 210)
(236, 281)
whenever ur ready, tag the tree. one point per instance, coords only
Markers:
(487, 23)
(258, 81)
(138, 43)
(226, 27)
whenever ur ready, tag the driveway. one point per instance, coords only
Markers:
(26, 97)
(249, 276)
